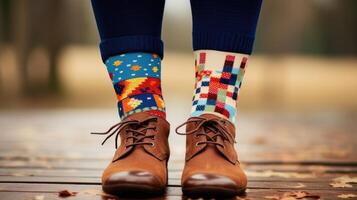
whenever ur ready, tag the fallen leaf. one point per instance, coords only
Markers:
(270, 173)
(300, 185)
(293, 196)
(302, 194)
(346, 196)
(66, 193)
(343, 181)
(341, 185)
(346, 179)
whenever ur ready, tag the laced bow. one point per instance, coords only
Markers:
(135, 130)
(215, 126)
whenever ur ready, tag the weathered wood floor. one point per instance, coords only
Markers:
(44, 152)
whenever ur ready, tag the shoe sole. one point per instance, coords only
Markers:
(132, 190)
(211, 191)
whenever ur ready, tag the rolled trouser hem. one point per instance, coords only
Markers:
(125, 44)
(219, 41)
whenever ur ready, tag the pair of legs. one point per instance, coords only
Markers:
(132, 49)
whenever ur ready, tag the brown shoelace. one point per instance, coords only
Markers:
(204, 126)
(135, 130)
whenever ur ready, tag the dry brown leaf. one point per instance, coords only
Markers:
(343, 181)
(346, 196)
(66, 193)
(270, 173)
(303, 194)
(341, 185)
(346, 179)
(293, 196)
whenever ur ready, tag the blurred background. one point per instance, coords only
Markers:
(304, 58)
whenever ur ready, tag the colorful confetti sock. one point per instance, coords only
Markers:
(219, 76)
(137, 83)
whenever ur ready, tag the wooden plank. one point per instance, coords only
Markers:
(177, 165)
(85, 172)
(252, 175)
(176, 183)
(254, 184)
(80, 196)
(280, 171)
(262, 193)
(174, 165)
(50, 191)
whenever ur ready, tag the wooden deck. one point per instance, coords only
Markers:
(45, 152)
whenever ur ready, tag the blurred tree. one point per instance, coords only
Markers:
(50, 25)
(337, 22)
(4, 17)
(32, 28)
(321, 27)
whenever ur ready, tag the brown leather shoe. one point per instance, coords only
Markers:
(140, 162)
(212, 167)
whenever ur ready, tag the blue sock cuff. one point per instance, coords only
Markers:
(222, 41)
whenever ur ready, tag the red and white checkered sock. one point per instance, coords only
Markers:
(219, 77)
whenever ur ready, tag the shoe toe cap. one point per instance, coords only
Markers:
(132, 183)
(210, 180)
(132, 177)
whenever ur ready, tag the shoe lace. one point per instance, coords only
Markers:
(134, 129)
(215, 126)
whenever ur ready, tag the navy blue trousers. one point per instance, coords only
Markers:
(135, 25)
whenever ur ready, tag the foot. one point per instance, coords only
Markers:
(211, 167)
(139, 165)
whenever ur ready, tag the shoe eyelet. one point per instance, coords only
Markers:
(197, 143)
(152, 144)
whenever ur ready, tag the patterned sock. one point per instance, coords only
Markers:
(137, 83)
(219, 76)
